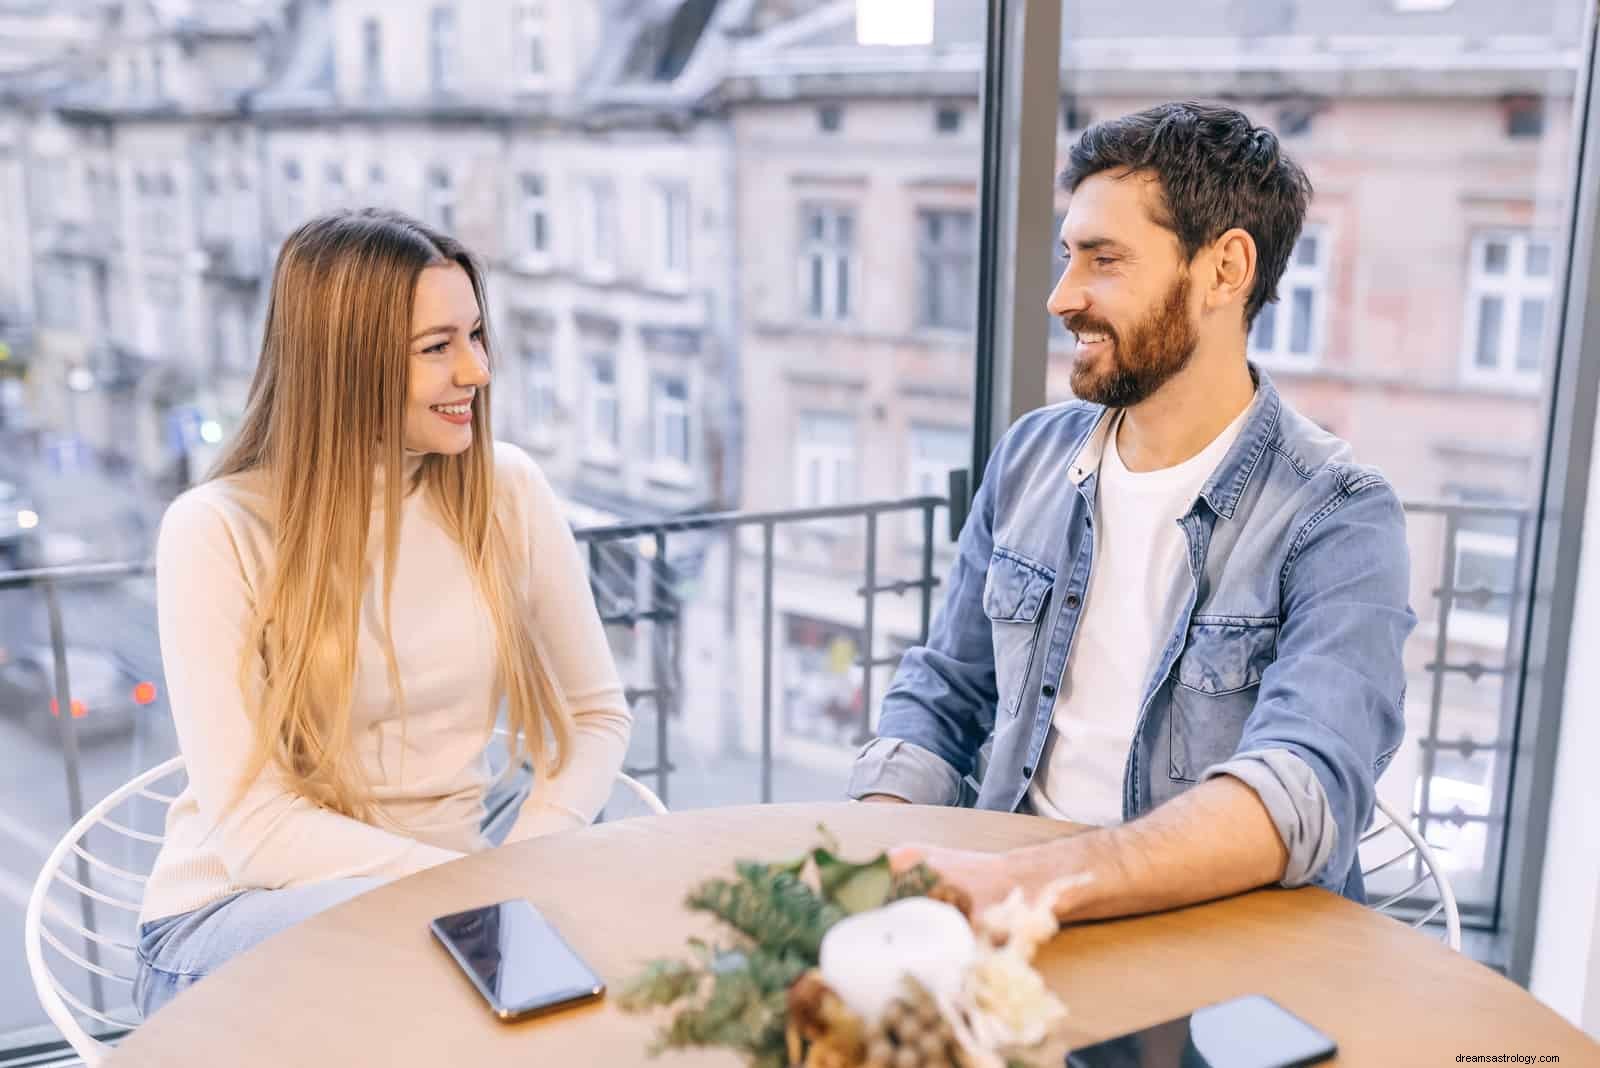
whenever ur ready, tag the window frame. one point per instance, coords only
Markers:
(1514, 288)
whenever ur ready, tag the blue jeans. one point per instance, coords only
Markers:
(178, 951)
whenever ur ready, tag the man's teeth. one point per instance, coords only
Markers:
(453, 409)
(1092, 339)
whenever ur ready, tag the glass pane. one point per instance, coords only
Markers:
(1301, 322)
(1530, 334)
(1538, 259)
(1496, 257)
(1491, 310)
(1424, 303)
(1263, 335)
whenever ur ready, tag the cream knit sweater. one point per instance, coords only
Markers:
(213, 557)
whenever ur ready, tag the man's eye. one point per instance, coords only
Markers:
(1104, 261)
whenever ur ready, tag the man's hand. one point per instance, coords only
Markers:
(885, 799)
(985, 877)
(1214, 841)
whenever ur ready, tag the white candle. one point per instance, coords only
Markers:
(866, 957)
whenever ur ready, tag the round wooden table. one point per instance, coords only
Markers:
(366, 984)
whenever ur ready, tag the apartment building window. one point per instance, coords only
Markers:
(935, 452)
(539, 376)
(672, 232)
(336, 193)
(377, 187)
(947, 275)
(440, 202)
(670, 420)
(442, 49)
(603, 436)
(827, 261)
(58, 296)
(830, 118)
(293, 201)
(947, 119)
(1484, 566)
(599, 203)
(825, 459)
(1524, 116)
(158, 76)
(1291, 330)
(164, 310)
(371, 56)
(535, 216)
(530, 43)
(1508, 298)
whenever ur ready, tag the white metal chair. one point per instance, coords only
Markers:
(1420, 853)
(112, 959)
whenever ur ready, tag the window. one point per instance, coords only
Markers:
(600, 227)
(1291, 330)
(58, 297)
(1485, 569)
(1075, 117)
(947, 277)
(603, 437)
(530, 43)
(670, 420)
(1508, 298)
(825, 459)
(827, 261)
(333, 182)
(164, 311)
(935, 452)
(1524, 116)
(158, 76)
(539, 376)
(442, 49)
(377, 190)
(1060, 336)
(293, 196)
(947, 119)
(440, 204)
(672, 232)
(371, 56)
(535, 216)
(830, 118)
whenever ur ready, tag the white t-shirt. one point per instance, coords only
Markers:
(1134, 592)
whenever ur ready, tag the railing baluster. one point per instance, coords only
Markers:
(69, 748)
(927, 571)
(867, 629)
(767, 530)
(660, 644)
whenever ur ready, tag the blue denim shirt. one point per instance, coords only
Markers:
(1283, 667)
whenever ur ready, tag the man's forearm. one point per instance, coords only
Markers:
(1213, 841)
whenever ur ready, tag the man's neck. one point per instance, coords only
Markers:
(1186, 414)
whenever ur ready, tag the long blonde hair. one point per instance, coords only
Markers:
(325, 415)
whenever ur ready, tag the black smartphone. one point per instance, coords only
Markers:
(1248, 1032)
(517, 960)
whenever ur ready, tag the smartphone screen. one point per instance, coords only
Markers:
(518, 962)
(1248, 1032)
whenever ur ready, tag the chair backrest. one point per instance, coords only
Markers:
(100, 957)
(1424, 864)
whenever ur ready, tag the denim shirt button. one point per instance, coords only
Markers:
(1049, 690)
(1072, 600)
(1027, 773)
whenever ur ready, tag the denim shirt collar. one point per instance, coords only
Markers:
(1229, 481)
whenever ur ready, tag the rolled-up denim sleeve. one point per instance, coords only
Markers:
(1297, 804)
(941, 705)
(1333, 697)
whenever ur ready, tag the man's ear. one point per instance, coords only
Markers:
(1232, 273)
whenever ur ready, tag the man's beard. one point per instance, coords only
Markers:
(1159, 347)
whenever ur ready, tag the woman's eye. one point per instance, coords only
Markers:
(436, 350)
(477, 335)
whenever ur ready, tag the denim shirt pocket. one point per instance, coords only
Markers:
(1217, 680)
(1014, 595)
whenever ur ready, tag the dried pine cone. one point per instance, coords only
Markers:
(953, 895)
(819, 1019)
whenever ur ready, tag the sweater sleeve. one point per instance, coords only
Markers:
(574, 643)
(272, 837)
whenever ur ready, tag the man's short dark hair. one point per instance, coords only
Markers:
(1217, 171)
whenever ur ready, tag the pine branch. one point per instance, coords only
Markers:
(775, 909)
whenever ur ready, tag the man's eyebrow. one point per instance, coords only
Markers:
(1093, 244)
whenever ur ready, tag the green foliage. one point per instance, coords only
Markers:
(737, 998)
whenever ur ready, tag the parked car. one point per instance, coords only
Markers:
(108, 695)
(19, 523)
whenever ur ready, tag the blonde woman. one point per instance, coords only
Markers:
(347, 602)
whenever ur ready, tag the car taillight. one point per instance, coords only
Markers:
(144, 693)
(78, 708)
